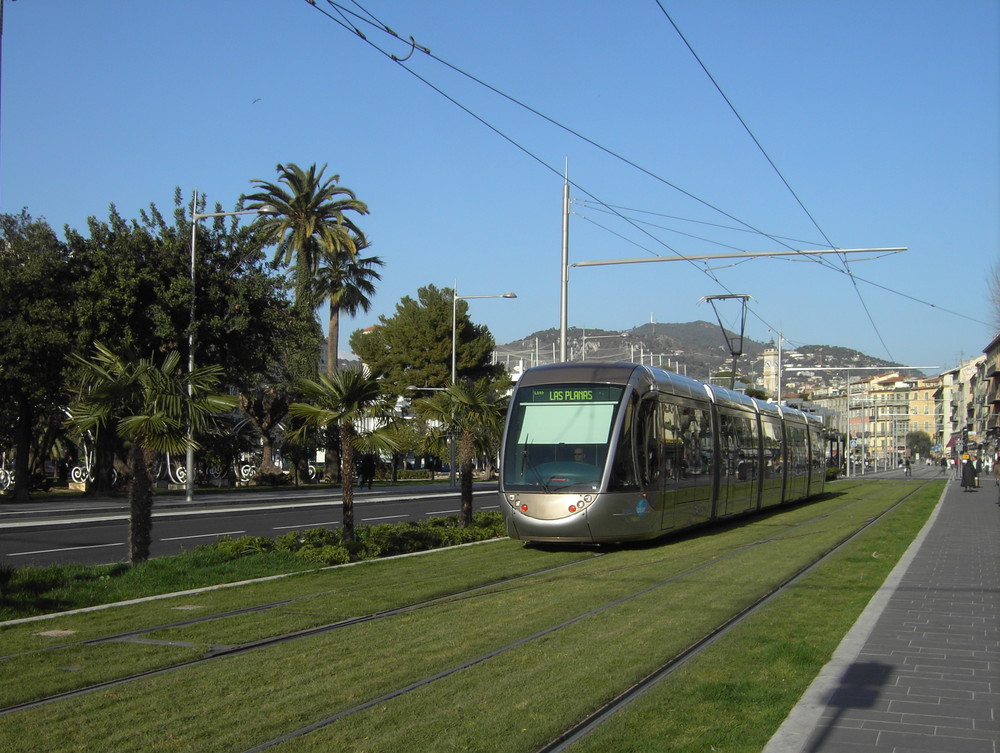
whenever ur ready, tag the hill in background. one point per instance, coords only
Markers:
(697, 349)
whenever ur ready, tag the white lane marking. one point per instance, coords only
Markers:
(386, 517)
(65, 549)
(202, 535)
(300, 526)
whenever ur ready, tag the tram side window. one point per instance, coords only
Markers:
(672, 433)
(797, 451)
(817, 450)
(624, 474)
(746, 448)
(702, 446)
(729, 444)
(772, 448)
(649, 443)
(687, 441)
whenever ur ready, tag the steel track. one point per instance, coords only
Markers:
(587, 725)
(487, 589)
(636, 690)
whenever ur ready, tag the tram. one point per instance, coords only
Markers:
(615, 452)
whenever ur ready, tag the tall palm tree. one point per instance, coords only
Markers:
(347, 399)
(475, 416)
(310, 218)
(152, 407)
(348, 283)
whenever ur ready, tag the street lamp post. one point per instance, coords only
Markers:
(455, 298)
(196, 217)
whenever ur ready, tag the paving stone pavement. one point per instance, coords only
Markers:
(920, 670)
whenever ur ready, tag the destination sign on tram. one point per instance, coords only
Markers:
(571, 394)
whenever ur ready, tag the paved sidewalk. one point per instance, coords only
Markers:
(920, 669)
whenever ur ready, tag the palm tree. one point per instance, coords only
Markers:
(348, 282)
(347, 399)
(152, 407)
(474, 415)
(308, 219)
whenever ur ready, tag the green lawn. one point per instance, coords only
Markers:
(620, 615)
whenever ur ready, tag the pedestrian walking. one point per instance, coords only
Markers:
(366, 472)
(968, 474)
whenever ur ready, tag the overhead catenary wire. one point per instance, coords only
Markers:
(720, 226)
(678, 232)
(383, 27)
(341, 19)
(401, 62)
(778, 172)
(817, 259)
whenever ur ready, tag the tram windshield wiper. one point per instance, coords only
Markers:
(526, 460)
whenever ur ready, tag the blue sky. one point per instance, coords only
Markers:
(881, 116)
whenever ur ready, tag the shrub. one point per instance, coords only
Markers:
(272, 479)
(405, 474)
(326, 546)
(245, 545)
(329, 554)
(288, 542)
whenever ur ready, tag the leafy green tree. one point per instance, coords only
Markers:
(405, 434)
(35, 336)
(151, 406)
(919, 442)
(311, 217)
(474, 415)
(133, 291)
(413, 347)
(351, 399)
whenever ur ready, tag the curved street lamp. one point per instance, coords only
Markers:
(454, 321)
(196, 217)
(455, 298)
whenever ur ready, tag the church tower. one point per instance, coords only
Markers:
(771, 371)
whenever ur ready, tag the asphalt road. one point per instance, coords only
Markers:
(96, 531)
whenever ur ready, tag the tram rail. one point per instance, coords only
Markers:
(608, 563)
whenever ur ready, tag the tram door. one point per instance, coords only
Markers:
(797, 476)
(687, 451)
(739, 462)
(817, 460)
(773, 474)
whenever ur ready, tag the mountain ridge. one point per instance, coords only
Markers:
(698, 349)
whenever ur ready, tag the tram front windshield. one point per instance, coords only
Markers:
(558, 437)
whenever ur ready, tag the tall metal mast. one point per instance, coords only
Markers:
(564, 287)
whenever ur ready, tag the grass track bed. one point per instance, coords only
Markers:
(515, 701)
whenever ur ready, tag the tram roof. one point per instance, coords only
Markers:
(624, 372)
